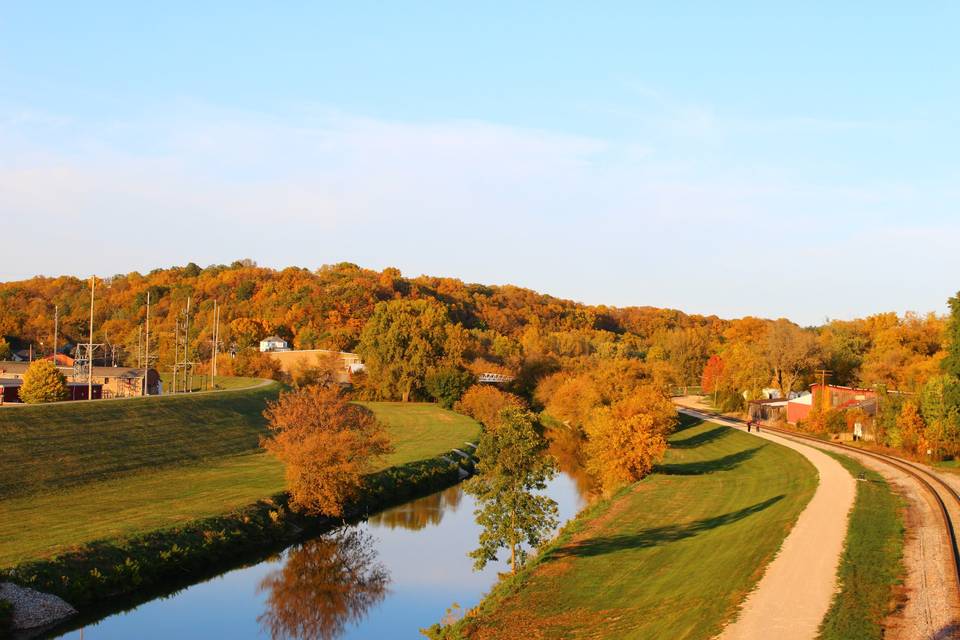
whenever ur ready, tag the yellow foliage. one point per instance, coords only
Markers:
(43, 382)
(484, 403)
(625, 439)
(327, 445)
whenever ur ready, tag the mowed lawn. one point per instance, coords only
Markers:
(223, 382)
(669, 557)
(50, 447)
(48, 521)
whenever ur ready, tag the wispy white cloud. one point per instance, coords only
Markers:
(625, 222)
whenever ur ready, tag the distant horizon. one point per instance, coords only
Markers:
(145, 271)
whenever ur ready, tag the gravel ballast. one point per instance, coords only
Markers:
(32, 609)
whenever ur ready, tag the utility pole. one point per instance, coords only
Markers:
(213, 358)
(176, 352)
(146, 350)
(186, 348)
(93, 284)
(824, 394)
(56, 327)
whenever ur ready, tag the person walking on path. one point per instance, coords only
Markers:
(749, 425)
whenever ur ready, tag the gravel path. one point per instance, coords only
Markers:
(797, 588)
(32, 608)
(928, 605)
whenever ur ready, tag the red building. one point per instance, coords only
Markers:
(838, 398)
(10, 390)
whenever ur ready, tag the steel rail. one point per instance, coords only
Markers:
(922, 476)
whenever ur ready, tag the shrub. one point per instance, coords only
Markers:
(43, 382)
(6, 618)
(250, 363)
(448, 384)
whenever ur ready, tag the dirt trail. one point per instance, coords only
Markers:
(795, 592)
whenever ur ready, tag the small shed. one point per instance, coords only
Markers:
(767, 410)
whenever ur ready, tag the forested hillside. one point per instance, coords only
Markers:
(506, 328)
(326, 308)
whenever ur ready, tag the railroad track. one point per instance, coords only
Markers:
(936, 487)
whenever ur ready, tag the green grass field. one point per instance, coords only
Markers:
(206, 479)
(669, 557)
(225, 383)
(872, 565)
(50, 447)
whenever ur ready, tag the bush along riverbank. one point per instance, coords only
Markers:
(168, 559)
(6, 619)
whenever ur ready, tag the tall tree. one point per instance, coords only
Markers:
(712, 374)
(327, 445)
(402, 341)
(951, 363)
(43, 382)
(513, 469)
(791, 352)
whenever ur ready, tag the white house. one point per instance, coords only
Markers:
(273, 343)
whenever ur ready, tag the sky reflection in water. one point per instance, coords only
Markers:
(384, 578)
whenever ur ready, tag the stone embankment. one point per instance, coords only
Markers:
(33, 609)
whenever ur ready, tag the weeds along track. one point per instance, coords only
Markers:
(939, 490)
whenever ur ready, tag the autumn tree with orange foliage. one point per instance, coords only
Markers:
(324, 585)
(625, 439)
(911, 427)
(712, 374)
(484, 402)
(327, 445)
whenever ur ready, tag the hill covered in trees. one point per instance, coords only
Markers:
(474, 326)
(326, 308)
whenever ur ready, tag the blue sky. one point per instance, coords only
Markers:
(728, 158)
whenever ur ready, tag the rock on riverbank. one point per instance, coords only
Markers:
(32, 609)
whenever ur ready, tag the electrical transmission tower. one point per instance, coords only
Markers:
(183, 364)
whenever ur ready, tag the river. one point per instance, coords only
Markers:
(386, 577)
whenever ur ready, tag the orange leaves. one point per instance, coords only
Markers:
(327, 445)
(712, 374)
(484, 403)
(625, 439)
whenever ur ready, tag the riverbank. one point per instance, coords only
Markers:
(671, 556)
(131, 570)
(166, 469)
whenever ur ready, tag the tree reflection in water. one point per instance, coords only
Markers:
(325, 584)
(566, 445)
(419, 513)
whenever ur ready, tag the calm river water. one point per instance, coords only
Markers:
(383, 578)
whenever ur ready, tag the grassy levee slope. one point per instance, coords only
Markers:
(669, 557)
(224, 383)
(204, 483)
(50, 447)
